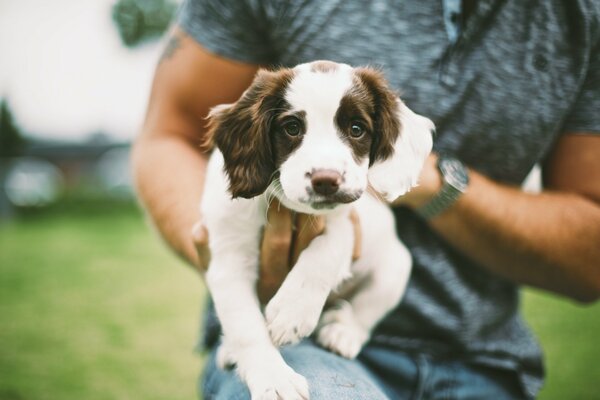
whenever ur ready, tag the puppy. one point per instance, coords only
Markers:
(314, 137)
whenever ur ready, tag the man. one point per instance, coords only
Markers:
(508, 83)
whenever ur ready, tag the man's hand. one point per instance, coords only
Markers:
(285, 235)
(429, 184)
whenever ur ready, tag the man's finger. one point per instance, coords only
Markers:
(200, 238)
(357, 235)
(306, 228)
(275, 250)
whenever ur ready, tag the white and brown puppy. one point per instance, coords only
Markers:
(314, 137)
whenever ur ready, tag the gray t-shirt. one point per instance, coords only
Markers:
(518, 74)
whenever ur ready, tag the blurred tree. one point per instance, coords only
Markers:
(141, 20)
(11, 144)
(11, 139)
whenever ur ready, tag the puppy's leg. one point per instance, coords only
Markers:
(347, 326)
(231, 279)
(294, 311)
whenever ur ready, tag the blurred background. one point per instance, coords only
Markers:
(92, 304)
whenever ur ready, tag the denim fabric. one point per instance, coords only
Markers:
(379, 374)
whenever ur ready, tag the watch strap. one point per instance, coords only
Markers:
(455, 178)
(447, 195)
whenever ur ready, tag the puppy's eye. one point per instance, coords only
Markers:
(292, 128)
(357, 130)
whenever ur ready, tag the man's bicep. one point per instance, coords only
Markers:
(188, 81)
(574, 165)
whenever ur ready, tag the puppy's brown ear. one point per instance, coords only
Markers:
(401, 142)
(387, 123)
(241, 131)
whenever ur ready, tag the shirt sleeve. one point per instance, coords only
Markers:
(234, 29)
(585, 113)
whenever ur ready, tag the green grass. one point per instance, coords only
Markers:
(92, 306)
(570, 336)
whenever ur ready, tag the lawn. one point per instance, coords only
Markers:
(92, 306)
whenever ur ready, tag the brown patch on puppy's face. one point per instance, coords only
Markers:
(288, 130)
(354, 120)
(367, 117)
(243, 133)
(374, 97)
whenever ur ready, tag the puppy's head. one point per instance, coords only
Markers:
(320, 132)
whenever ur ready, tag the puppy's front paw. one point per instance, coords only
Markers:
(293, 315)
(340, 333)
(278, 383)
(225, 357)
(342, 339)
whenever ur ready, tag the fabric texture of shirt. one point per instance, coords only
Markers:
(500, 87)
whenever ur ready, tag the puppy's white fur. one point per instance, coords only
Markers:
(355, 296)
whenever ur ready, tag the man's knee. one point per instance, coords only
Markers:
(218, 384)
(329, 376)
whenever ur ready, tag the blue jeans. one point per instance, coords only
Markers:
(379, 373)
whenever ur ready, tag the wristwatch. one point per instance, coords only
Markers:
(455, 178)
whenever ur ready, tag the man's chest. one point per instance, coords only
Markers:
(498, 97)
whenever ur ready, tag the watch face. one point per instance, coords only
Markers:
(454, 172)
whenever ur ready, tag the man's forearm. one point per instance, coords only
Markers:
(549, 240)
(169, 177)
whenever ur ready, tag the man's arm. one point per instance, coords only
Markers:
(168, 163)
(549, 240)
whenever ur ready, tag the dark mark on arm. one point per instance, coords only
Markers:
(172, 46)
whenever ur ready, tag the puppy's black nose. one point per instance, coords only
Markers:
(325, 181)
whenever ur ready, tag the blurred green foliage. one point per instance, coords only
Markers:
(12, 141)
(142, 20)
(93, 306)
